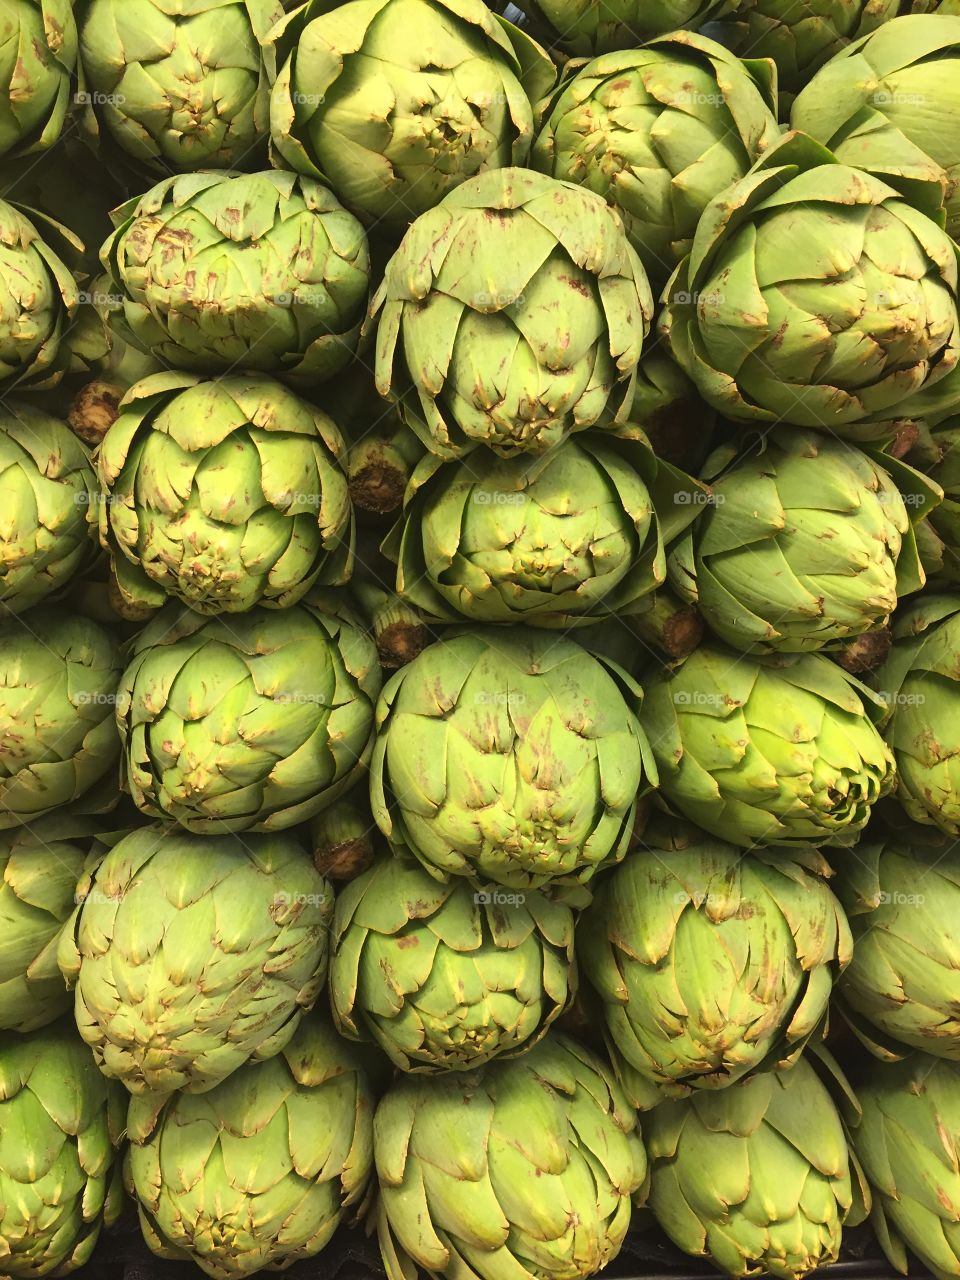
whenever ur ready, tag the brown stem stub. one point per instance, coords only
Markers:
(866, 652)
(94, 410)
(400, 642)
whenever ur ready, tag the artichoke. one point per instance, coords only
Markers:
(48, 500)
(805, 542)
(554, 541)
(41, 869)
(800, 37)
(919, 684)
(509, 756)
(179, 84)
(889, 102)
(394, 103)
(908, 1142)
(220, 272)
(38, 39)
(259, 1171)
(710, 962)
(901, 895)
(669, 411)
(848, 328)
(444, 977)
(512, 314)
(38, 299)
(768, 750)
(57, 698)
(658, 131)
(587, 27)
(191, 955)
(757, 1177)
(252, 722)
(524, 1169)
(59, 1175)
(226, 494)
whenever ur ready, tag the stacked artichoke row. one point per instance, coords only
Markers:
(479, 632)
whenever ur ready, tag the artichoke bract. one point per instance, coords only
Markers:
(553, 541)
(800, 37)
(741, 948)
(937, 454)
(226, 493)
(62, 1123)
(221, 272)
(48, 506)
(768, 750)
(888, 103)
(396, 102)
(253, 721)
(919, 684)
(842, 332)
(804, 543)
(40, 870)
(443, 976)
(902, 895)
(179, 85)
(658, 131)
(38, 40)
(908, 1141)
(509, 756)
(757, 1177)
(587, 27)
(512, 314)
(57, 703)
(524, 1169)
(191, 955)
(38, 299)
(259, 1171)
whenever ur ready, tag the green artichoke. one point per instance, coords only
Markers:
(800, 36)
(259, 1171)
(805, 543)
(256, 721)
(512, 314)
(221, 272)
(908, 1142)
(226, 493)
(396, 102)
(48, 506)
(38, 40)
(57, 699)
(41, 869)
(554, 541)
(668, 409)
(710, 962)
(62, 1123)
(768, 750)
(444, 977)
(658, 131)
(889, 102)
(919, 684)
(587, 27)
(847, 327)
(179, 84)
(757, 1177)
(937, 453)
(509, 756)
(191, 955)
(901, 895)
(38, 299)
(524, 1169)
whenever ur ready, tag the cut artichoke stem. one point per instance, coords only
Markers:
(94, 410)
(398, 628)
(671, 626)
(378, 474)
(342, 840)
(865, 653)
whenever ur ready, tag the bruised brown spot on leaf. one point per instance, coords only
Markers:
(405, 944)
(577, 285)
